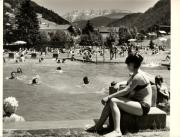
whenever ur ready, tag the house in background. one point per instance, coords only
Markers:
(105, 32)
(53, 28)
(165, 28)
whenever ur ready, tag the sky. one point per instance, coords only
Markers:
(63, 6)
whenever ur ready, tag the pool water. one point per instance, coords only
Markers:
(62, 96)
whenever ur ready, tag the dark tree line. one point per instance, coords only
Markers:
(27, 24)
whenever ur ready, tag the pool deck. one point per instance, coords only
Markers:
(34, 125)
(73, 128)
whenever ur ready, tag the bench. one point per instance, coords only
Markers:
(156, 118)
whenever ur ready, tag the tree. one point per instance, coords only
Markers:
(88, 28)
(28, 24)
(60, 38)
(90, 37)
(124, 34)
(8, 25)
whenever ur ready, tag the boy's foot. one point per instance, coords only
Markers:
(114, 134)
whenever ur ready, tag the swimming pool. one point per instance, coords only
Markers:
(61, 96)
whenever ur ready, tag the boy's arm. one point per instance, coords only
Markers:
(164, 91)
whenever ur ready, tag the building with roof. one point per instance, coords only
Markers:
(48, 28)
(105, 32)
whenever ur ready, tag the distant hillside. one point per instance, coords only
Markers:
(12, 5)
(128, 20)
(97, 22)
(118, 15)
(159, 14)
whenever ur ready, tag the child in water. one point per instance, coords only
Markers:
(10, 106)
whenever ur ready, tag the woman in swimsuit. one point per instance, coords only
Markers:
(134, 99)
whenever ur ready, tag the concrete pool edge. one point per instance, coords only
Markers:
(35, 125)
(67, 124)
(75, 128)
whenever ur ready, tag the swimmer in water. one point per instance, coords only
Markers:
(13, 75)
(19, 70)
(41, 59)
(35, 81)
(59, 69)
(58, 61)
(85, 80)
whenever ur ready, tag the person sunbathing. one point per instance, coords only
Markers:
(134, 99)
(10, 106)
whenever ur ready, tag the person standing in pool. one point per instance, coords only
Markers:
(134, 99)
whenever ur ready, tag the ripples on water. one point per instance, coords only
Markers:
(62, 96)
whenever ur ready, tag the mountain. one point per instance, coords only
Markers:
(128, 20)
(97, 22)
(159, 14)
(79, 15)
(118, 15)
(10, 7)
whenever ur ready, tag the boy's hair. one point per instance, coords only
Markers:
(158, 78)
(134, 58)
